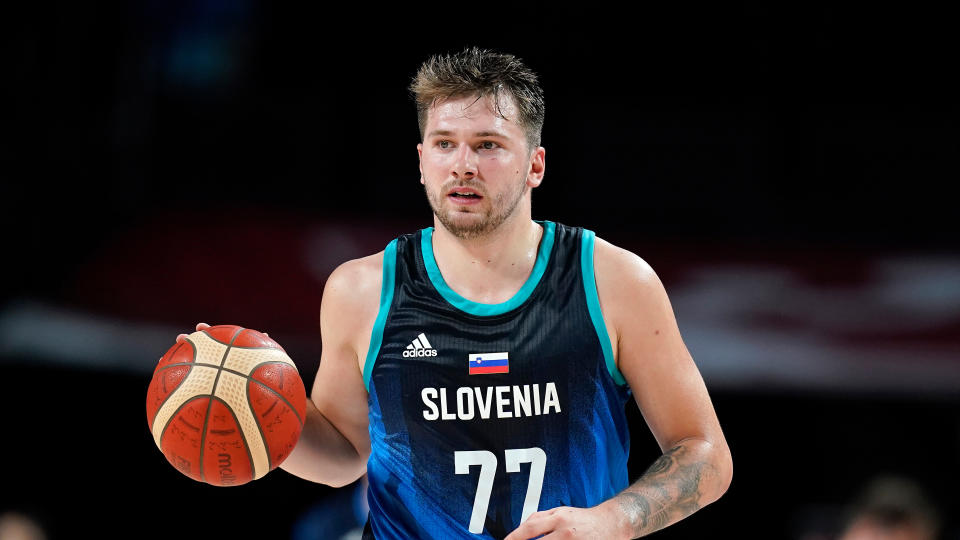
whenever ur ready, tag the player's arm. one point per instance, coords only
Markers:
(335, 443)
(696, 467)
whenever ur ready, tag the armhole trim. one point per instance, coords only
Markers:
(386, 300)
(593, 304)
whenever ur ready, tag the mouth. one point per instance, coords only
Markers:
(464, 195)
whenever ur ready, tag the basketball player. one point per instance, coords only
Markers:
(478, 370)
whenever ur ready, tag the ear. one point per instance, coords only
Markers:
(538, 165)
(420, 160)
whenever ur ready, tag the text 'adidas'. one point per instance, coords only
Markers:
(419, 348)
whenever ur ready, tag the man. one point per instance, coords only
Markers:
(892, 508)
(477, 370)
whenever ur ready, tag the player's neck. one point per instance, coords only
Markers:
(492, 268)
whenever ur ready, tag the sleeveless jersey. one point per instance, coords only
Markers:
(481, 414)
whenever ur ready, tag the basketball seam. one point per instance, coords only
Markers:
(246, 445)
(278, 394)
(164, 402)
(178, 364)
(242, 375)
(254, 348)
(206, 331)
(256, 421)
(229, 370)
(213, 391)
(250, 378)
(173, 417)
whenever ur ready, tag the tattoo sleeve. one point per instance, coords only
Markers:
(670, 490)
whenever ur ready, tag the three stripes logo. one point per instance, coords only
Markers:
(420, 347)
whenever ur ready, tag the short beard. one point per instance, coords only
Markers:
(477, 228)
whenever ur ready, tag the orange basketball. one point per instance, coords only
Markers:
(226, 406)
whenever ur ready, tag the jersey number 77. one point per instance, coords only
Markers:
(487, 461)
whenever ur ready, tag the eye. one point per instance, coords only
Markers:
(444, 144)
(488, 145)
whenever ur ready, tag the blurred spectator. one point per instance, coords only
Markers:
(16, 526)
(892, 509)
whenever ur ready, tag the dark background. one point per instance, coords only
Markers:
(786, 170)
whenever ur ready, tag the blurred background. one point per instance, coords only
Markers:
(786, 171)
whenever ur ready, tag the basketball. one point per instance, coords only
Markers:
(226, 405)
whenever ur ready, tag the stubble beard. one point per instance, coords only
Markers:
(467, 226)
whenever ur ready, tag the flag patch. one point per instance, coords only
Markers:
(481, 363)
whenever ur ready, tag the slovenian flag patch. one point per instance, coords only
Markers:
(495, 362)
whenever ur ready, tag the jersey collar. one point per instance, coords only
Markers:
(476, 308)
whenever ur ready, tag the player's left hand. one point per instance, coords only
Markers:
(568, 522)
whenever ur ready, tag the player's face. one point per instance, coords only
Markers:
(476, 165)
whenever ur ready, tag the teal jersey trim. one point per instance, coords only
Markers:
(386, 300)
(593, 304)
(476, 308)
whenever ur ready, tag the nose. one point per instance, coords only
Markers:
(465, 164)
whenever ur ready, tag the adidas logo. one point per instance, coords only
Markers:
(419, 347)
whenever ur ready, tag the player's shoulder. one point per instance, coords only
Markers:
(626, 283)
(612, 262)
(355, 284)
(359, 270)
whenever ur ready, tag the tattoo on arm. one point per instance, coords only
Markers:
(667, 492)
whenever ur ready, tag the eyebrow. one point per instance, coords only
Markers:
(448, 133)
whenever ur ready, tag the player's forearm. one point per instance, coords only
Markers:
(323, 454)
(689, 476)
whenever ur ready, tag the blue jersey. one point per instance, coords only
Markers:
(481, 414)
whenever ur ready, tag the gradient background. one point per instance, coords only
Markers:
(784, 169)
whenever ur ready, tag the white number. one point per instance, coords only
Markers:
(488, 465)
(537, 459)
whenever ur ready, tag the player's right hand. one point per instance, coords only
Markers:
(200, 326)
